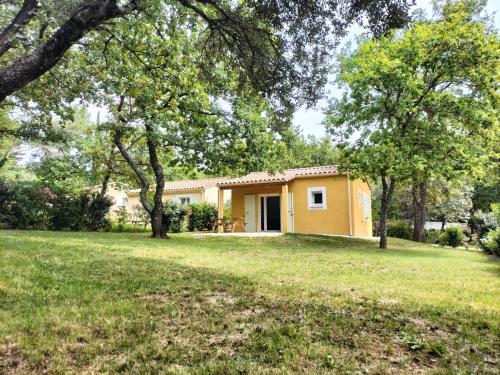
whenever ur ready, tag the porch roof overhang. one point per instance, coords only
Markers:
(254, 183)
(264, 178)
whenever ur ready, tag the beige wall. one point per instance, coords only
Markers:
(118, 197)
(209, 195)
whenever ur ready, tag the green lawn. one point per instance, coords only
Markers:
(122, 302)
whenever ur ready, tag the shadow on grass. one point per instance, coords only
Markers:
(72, 310)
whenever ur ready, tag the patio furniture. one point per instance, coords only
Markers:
(218, 223)
(229, 225)
(238, 221)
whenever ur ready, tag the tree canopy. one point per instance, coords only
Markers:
(420, 102)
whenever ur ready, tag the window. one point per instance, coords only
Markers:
(123, 202)
(360, 198)
(316, 198)
(185, 200)
(367, 209)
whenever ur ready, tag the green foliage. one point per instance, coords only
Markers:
(66, 173)
(420, 102)
(173, 216)
(490, 243)
(29, 206)
(399, 229)
(486, 194)
(452, 236)
(483, 222)
(201, 216)
(296, 151)
(495, 209)
(432, 236)
(451, 201)
(84, 211)
(121, 218)
(24, 205)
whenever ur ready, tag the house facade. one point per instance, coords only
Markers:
(317, 200)
(183, 192)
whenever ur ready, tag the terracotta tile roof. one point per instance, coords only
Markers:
(286, 176)
(189, 185)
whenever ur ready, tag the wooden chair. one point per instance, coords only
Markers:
(238, 221)
(218, 223)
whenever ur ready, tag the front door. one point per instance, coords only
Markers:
(270, 213)
(250, 213)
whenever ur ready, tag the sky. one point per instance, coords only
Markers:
(310, 121)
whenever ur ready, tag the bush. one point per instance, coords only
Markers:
(24, 206)
(87, 211)
(432, 236)
(491, 242)
(65, 213)
(399, 229)
(173, 216)
(96, 210)
(201, 216)
(121, 219)
(452, 236)
(29, 206)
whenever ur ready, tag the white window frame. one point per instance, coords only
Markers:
(310, 202)
(367, 207)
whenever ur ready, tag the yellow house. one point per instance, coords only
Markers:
(317, 200)
(183, 192)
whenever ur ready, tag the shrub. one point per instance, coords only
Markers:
(96, 210)
(173, 216)
(121, 218)
(491, 242)
(24, 205)
(87, 211)
(452, 236)
(201, 216)
(432, 236)
(65, 213)
(27, 205)
(399, 229)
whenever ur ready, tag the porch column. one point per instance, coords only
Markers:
(284, 208)
(220, 203)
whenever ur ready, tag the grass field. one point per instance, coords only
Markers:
(122, 302)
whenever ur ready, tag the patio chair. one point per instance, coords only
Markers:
(218, 223)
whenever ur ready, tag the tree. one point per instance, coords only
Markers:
(452, 201)
(166, 111)
(423, 103)
(296, 151)
(35, 37)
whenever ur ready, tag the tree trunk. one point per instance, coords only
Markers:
(141, 177)
(387, 191)
(105, 182)
(443, 224)
(157, 214)
(29, 67)
(419, 193)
